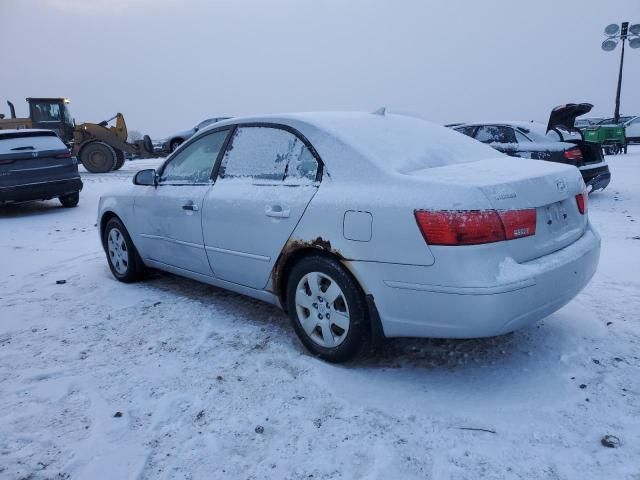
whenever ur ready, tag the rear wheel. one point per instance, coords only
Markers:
(122, 256)
(327, 308)
(98, 157)
(71, 200)
(175, 144)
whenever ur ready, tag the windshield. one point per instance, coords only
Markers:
(47, 112)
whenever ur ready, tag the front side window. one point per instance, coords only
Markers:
(267, 153)
(495, 134)
(194, 163)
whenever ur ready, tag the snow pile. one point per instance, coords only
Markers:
(171, 379)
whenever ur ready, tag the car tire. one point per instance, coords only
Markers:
(327, 308)
(70, 200)
(124, 262)
(174, 145)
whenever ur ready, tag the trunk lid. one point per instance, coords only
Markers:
(518, 184)
(565, 115)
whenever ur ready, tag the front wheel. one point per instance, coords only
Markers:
(71, 200)
(123, 259)
(327, 308)
(98, 157)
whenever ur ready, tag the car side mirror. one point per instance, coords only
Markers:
(146, 177)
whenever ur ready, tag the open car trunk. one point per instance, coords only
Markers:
(562, 121)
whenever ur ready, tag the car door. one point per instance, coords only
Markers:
(267, 177)
(168, 216)
(500, 137)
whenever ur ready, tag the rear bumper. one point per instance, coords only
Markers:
(40, 190)
(597, 178)
(533, 291)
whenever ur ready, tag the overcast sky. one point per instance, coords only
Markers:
(167, 64)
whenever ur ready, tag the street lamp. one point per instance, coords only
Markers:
(614, 33)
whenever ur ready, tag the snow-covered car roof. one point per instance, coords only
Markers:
(351, 143)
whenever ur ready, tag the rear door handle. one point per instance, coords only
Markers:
(277, 211)
(190, 206)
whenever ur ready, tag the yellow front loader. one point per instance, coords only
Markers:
(101, 148)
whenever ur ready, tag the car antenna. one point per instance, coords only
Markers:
(380, 111)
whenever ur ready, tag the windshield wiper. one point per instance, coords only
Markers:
(29, 147)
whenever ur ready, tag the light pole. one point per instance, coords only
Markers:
(615, 33)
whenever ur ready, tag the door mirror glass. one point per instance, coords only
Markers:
(145, 177)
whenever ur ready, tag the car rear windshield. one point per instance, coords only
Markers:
(29, 142)
(405, 144)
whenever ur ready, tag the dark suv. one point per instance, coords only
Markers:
(36, 165)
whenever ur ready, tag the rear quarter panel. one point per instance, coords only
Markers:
(395, 236)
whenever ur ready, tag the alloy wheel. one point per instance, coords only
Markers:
(118, 252)
(322, 309)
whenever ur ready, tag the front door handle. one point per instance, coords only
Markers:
(277, 211)
(190, 206)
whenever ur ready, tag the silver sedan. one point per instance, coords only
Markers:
(361, 226)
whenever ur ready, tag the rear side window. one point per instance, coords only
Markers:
(267, 153)
(30, 143)
(521, 138)
(468, 131)
(495, 133)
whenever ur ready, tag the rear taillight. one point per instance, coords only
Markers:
(573, 155)
(64, 155)
(582, 199)
(518, 223)
(474, 227)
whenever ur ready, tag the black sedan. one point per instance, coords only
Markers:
(36, 165)
(558, 141)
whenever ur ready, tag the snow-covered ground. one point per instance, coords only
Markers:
(172, 379)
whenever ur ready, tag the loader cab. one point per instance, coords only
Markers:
(52, 114)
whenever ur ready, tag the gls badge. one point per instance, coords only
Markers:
(34, 154)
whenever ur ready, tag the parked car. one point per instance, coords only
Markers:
(36, 165)
(169, 144)
(582, 123)
(559, 141)
(611, 120)
(360, 226)
(632, 130)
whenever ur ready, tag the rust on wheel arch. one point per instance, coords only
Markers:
(291, 250)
